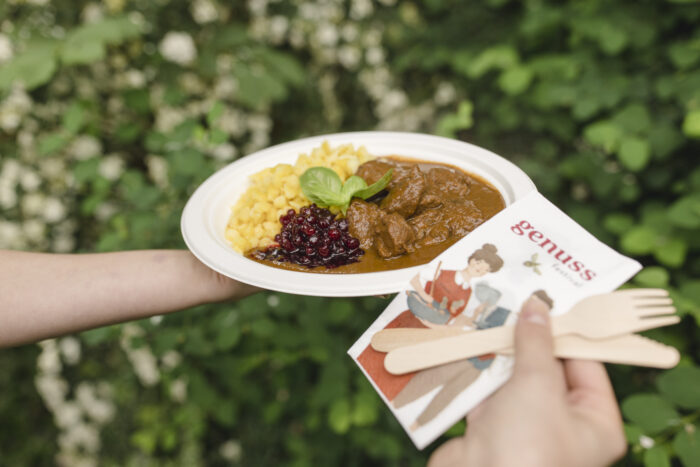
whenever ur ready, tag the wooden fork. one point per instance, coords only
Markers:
(596, 317)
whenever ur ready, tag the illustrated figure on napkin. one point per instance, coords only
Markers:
(457, 376)
(446, 297)
(440, 303)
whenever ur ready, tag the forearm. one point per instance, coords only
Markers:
(44, 295)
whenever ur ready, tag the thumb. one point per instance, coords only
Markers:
(533, 339)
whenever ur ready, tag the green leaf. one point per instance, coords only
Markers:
(684, 54)
(375, 187)
(515, 80)
(352, 185)
(691, 124)
(82, 52)
(686, 444)
(74, 118)
(671, 252)
(656, 456)
(640, 240)
(634, 153)
(498, 57)
(634, 118)
(685, 212)
(339, 416)
(632, 433)
(618, 223)
(364, 409)
(461, 120)
(51, 143)
(215, 113)
(257, 87)
(603, 133)
(650, 412)
(652, 276)
(681, 386)
(322, 186)
(32, 68)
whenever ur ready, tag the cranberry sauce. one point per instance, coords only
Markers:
(314, 237)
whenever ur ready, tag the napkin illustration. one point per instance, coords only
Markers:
(529, 248)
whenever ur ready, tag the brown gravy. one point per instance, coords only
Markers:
(486, 198)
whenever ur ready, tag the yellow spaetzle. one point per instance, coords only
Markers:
(254, 220)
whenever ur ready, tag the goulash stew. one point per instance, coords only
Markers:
(424, 209)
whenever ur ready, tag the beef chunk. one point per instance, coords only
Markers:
(429, 227)
(372, 171)
(443, 185)
(462, 216)
(451, 183)
(404, 197)
(394, 236)
(362, 221)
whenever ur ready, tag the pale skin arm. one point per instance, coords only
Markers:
(47, 295)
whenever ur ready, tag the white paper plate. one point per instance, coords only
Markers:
(207, 212)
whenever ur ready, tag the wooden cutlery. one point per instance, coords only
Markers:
(597, 327)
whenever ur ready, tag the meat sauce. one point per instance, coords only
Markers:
(426, 208)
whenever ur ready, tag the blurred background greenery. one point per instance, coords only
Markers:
(113, 111)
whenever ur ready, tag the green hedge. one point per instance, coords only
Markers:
(127, 106)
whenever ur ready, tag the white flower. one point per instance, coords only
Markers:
(52, 168)
(327, 35)
(84, 435)
(34, 230)
(361, 9)
(145, 366)
(10, 234)
(168, 118)
(63, 244)
(257, 7)
(53, 210)
(70, 348)
(646, 442)
(8, 195)
(273, 300)
(157, 170)
(204, 11)
(391, 102)
(225, 87)
(52, 389)
(135, 78)
(278, 27)
(33, 204)
(14, 108)
(85, 147)
(375, 56)
(111, 167)
(105, 210)
(29, 180)
(224, 152)
(445, 93)
(231, 450)
(5, 48)
(101, 411)
(233, 122)
(171, 359)
(349, 56)
(178, 390)
(67, 414)
(350, 32)
(178, 47)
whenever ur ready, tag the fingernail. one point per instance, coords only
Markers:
(535, 311)
(535, 317)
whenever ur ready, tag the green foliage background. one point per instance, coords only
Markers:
(599, 101)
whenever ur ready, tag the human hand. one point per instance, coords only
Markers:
(215, 287)
(550, 413)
